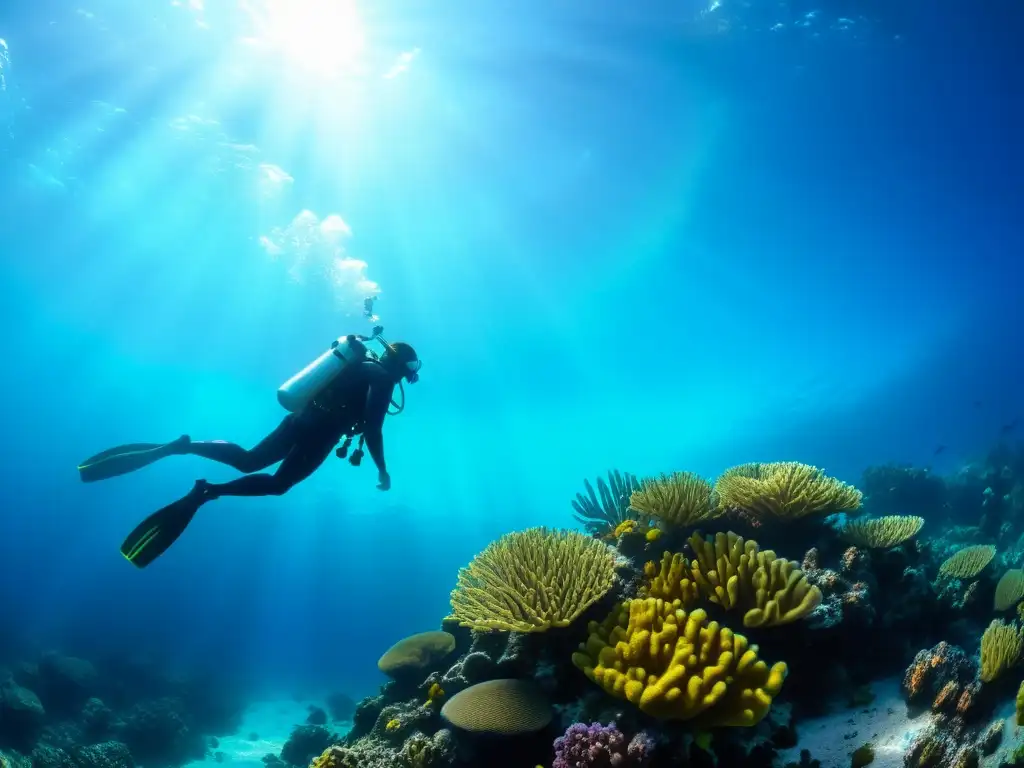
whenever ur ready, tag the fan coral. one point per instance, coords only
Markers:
(736, 575)
(784, 491)
(1009, 590)
(678, 665)
(682, 499)
(1000, 649)
(532, 580)
(606, 514)
(968, 562)
(590, 746)
(882, 532)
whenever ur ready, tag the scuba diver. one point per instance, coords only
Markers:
(347, 391)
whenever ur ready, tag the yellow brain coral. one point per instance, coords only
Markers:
(532, 580)
(738, 576)
(882, 532)
(1000, 649)
(1009, 590)
(785, 490)
(968, 562)
(682, 498)
(676, 665)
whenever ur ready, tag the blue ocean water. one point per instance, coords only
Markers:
(647, 235)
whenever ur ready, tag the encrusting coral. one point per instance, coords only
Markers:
(735, 574)
(679, 499)
(1000, 649)
(882, 532)
(676, 665)
(532, 580)
(784, 491)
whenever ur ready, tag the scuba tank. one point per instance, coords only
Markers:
(305, 385)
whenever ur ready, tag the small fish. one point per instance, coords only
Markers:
(1008, 427)
(939, 450)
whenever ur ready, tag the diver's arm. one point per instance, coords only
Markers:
(377, 401)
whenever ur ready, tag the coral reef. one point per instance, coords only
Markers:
(623, 647)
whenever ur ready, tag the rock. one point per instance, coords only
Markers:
(65, 682)
(109, 754)
(317, 716)
(22, 715)
(305, 743)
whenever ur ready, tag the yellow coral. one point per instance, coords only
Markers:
(676, 665)
(681, 498)
(1000, 649)
(653, 534)
(434, 694)
(626, 526)
(1009, 590)
(334, 757)
(968, 562)
(393, 725)
(532, 580)
(1020, 705)
(882, 532)
(736, 575)
(668, 581)
(786, 490)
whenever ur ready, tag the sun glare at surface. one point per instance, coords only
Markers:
(322, 36)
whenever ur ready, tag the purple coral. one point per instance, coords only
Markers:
(590, 746)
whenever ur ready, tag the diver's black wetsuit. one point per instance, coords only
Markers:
(356, 401)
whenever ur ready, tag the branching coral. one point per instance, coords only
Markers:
(677, 665)
(532, 580)
(968, 562)
(1009, 590)
(738, 576)
(600, 516)
(680, 499)
(669, 580)
(882, 532)
(784, 491)
(1000, 649)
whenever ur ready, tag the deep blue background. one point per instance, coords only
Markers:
(620, 234)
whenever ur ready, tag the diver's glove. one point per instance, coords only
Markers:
(383, 481)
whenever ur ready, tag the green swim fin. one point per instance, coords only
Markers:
(152, 537)
(127, 458)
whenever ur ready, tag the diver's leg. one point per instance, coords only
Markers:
(304, 459)
(127, 458)
(270, 450)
